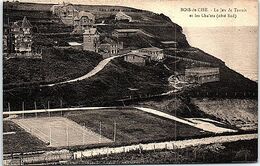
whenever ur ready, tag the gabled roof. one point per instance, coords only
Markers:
(168, 42)
(202, 69)
(120, 13)
(26, 23)
(139, 54)
(151, 49)
(86, 14)
(74, 44)
(90, 31)
(108, 40)
(17, 24)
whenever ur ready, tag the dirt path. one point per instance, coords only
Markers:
(93, 72)
(206, 126)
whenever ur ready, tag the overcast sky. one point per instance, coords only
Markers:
(172, 8)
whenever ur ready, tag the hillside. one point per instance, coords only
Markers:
(56, 65)
(44, 22)
(100, 89)
(118, 78)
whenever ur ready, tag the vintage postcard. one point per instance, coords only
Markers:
(130, 82)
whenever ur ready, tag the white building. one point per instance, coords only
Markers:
(122, 16)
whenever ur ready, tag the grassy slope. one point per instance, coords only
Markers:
(21, 141)
(97, 90)
(56, 65)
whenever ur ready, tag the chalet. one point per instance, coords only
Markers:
(108, 47)
(124, 32)
(91, 39)
(18, 40)
(202, 75)
(22, 32)
(66, 11)
(122, 16)
(155, 53)
(84, 19)
(137, 58)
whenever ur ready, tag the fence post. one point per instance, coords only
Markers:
(140, 149)
(48, 107)
(23, 109)
(60, 103)
(35, 107)
(9, 107)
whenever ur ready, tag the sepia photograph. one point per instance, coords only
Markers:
(129, 82)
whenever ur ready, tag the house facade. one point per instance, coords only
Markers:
(84, 19)
(122, 16)
(137, 58)
(18, 40)
(91, 40)
(66, 11)
(108, 47)
(155, 53)
(22, 32)
(202, 75)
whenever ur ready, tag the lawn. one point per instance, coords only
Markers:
(133, 126)
(20, 141)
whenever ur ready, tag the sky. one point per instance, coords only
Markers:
(173, 9)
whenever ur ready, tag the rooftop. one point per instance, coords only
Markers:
(120, 13)
(202, 69)
(140, 54)
(168, 42)
(108, 40)
(74, 44)
(26, 23)
(85, 14)
(151, 49)
(127, 30)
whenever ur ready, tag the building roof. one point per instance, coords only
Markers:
(168, 42)
(139, 54)
(16, 24)
(127, 30)
(90, 31)
(107, 40)
(202, 69)
(86, 14)
(120, 13)
(151, 49)
(74, 44)
(26, 23)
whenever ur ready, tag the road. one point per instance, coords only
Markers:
(93, 72)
